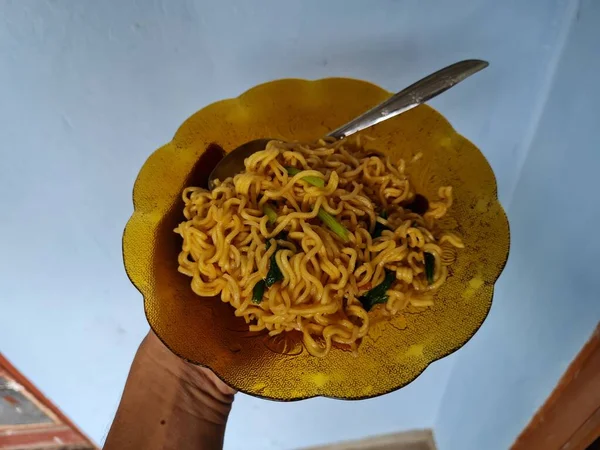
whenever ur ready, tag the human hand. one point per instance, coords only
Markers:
(169, 403)
(204, 392)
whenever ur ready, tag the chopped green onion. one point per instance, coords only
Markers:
(333, 224)
(274, 275)
(270, 213)
(282, 235)
(429, 267)
(379, 227)
(378, 293)
(315, 181)
(258, 292)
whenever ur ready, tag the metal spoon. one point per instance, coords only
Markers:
(414, 95)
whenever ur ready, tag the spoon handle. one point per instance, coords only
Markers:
(417, 93)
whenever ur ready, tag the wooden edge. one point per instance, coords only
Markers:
(408, 440)
(60, 439)
(12, 371)
(566, 419)
(585, 435)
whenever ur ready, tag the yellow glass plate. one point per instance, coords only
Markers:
(205, 331)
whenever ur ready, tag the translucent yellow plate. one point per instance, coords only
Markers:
(205, 331)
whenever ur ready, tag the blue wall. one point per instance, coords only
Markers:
(548, 300)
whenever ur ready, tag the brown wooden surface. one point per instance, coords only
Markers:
(53, 437)
(407, 440)
(585, 435)
(569, 419)
(60, 433)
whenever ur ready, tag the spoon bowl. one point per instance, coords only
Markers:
(233, 162)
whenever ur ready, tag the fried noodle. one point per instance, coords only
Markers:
(229, 243)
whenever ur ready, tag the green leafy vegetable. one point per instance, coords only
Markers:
(292, 170)
(333, 224)
(429, 267)
(379, 227)
(315, 181)
(327, 218)
(270, 213)
(258, 292)
(378, 293)
(274, 275)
